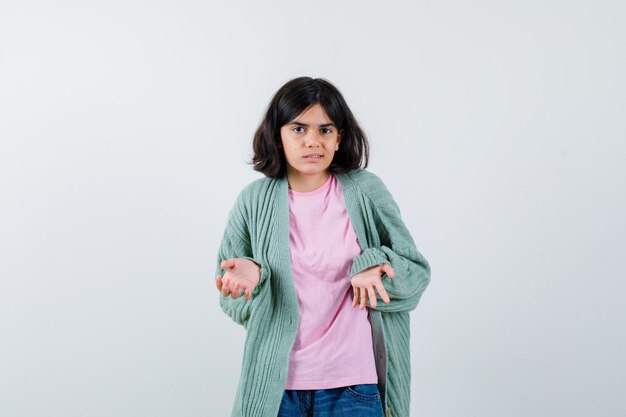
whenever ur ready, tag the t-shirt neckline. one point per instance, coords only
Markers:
(315, 192)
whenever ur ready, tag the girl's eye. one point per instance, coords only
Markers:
(298, 129)
(326, 130)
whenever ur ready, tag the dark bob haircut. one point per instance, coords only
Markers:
(289, 102)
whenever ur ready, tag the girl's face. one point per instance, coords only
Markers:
(310, 142)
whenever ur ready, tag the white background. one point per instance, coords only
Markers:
(125, 129)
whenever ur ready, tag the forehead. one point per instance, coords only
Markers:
(314, 114)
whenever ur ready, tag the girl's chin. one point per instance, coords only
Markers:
(309, 171)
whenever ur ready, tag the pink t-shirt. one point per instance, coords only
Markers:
(333, 347)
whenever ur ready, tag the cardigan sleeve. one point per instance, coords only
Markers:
(397, 248)
(236, 244)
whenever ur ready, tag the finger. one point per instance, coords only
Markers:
(363, 295)
(389, 270)
(225, 287)
(236, 290)
(383, 292)
(358, 297)
(354, 296)
(228, 263)
(372, 296)
(218, 282)
(242, 291)
(247, 295)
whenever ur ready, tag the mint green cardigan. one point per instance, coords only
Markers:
(258, 229)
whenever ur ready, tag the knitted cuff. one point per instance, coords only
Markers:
(369, 258)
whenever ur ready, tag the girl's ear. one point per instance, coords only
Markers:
(339, 136)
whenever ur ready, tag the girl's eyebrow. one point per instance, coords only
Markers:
(306, 125)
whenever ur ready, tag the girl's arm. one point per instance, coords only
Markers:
(236, 244)
(397, 248)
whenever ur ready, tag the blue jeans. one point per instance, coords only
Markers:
(355, 400)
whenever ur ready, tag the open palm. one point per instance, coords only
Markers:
(365, 282)
(241, 275)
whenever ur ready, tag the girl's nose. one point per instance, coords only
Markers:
(312, 139)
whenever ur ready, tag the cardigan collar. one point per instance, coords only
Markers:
(343, 178)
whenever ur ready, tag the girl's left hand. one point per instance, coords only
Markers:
(364, 282)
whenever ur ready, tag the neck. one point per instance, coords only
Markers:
(307, 183)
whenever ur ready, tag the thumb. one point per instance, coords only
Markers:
(228, 263)
(389, 270)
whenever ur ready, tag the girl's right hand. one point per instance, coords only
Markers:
(241, 275)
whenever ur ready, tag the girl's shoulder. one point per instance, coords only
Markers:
(367, 181)
(259, 188)
(371, 189)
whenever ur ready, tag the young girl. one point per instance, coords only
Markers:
(318, 266)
